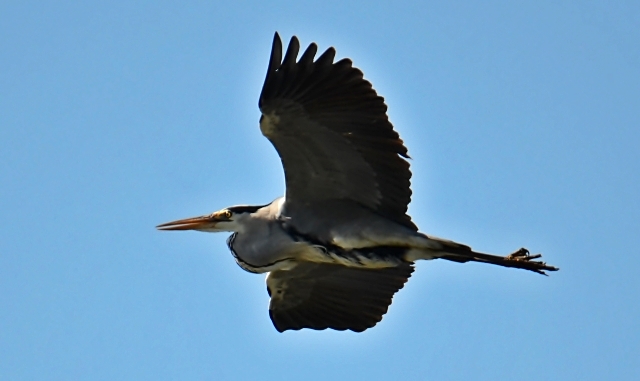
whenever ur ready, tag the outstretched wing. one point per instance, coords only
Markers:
(321, 296)
(333, 135)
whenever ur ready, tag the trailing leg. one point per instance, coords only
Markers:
(453, 251)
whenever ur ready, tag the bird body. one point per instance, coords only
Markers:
(339, 244)
(264, 239)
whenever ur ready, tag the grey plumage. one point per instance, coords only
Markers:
(339, 245)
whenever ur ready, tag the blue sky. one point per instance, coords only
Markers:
(522, 119)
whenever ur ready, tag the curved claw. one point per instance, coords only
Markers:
(523, 260)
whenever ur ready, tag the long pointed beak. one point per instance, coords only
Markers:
(193, 223)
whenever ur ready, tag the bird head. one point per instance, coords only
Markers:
(224, 220)
(231, 219)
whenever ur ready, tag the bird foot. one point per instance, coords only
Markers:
(523, 260)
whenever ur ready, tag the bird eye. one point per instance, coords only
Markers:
(227, 214)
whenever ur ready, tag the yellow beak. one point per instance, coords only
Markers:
(193, 223)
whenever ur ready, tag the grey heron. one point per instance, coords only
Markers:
(339, 244)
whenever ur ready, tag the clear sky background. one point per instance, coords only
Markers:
(522, 119)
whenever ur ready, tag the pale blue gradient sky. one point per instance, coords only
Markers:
(523, 121)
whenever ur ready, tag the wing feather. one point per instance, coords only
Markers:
(332, 133)
(321, 296)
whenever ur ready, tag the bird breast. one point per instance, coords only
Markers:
(261, 253)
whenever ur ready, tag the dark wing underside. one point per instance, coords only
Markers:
(333, 135)
(321, 296)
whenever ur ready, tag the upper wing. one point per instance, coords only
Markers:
(332, 133)
(320, 296)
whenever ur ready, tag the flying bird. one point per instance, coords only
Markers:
(339, 244)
